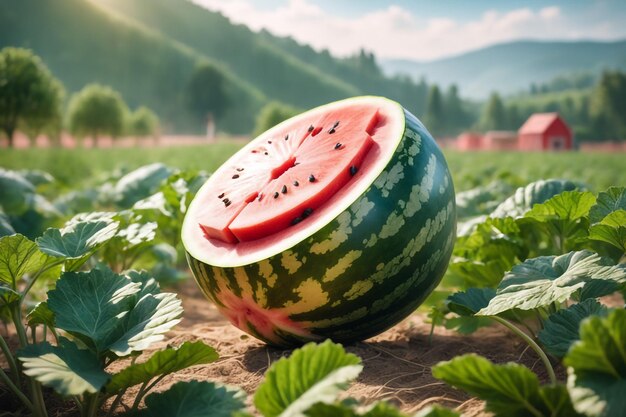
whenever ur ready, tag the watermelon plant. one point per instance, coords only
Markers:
(560, 292)
(336, 224)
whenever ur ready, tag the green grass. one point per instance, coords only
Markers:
(73, 167)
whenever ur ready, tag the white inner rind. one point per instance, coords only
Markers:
(217, 253)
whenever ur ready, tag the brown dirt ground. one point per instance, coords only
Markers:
(397, 363)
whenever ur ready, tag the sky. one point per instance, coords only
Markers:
(425, 30)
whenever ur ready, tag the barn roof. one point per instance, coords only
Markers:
(538, 123)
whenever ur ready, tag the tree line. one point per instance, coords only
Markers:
(595, 111)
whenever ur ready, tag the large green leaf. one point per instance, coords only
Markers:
(509, 390)
(611, 229)
(380, 409)
(526, 197)
(481, 200)
(6, 228)
(468, 303)
(312, 374)
(560, 330)
(140, 183)
(162, 362)
(193, 399)
(16, 193)
(541, 281)
(77, 240)
(93, 304)
(8, 295)
(19, 256)
(597, 366)
(564, 217)
(146, 323)
(67, 369)
(41, 314)
(608, 201)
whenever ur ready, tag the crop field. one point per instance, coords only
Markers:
(101, 315)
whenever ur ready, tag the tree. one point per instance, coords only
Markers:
(206, 93)
(494, 115)
(607, 106)
(143, 122)
(271, 114)
(455, 116)
(30, 96)
(434, 118)
(97, 110)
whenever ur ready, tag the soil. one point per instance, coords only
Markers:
(397, 363)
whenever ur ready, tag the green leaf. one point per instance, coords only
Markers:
(509, 390)
(560, 330)
(149, 319)
(140, 183)
(65, 368)
(93, 304)
(526, 197)
(19, 256)
(437, 411)
(8, 296)
(564, 217)
(162, 362)
(608, 201)
(597, 366)
(6, 229)
(312, 374)
(380, 409)
(137, 233)
(193, 399)
(469, 302)
(78, 239)
(567, 206)
(541, 281)
(16, 193)
(41, 314)
(611, 229)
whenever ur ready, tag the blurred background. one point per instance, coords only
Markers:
(184, 71)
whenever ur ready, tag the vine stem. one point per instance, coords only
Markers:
(531, 343)
(5, 378)
(10, 360)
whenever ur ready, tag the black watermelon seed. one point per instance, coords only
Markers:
(269, 141)
(331, 130)
(287, 137)
(221, 195)
(284, 189)
(227, 204)
(260, 197)
(353, 170)
(337, 145)
(296, 221)
(307, 212)
(311, 128)
(265, 153)
(239, 169)
(336, 124)
(311, 178)
(276, 194)
(296, 183)
(235, 176)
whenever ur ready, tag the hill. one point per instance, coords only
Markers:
(81, 44)
(281, 68)
(511, 67)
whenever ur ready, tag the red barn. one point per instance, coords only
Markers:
(469, 141)
(545, 131)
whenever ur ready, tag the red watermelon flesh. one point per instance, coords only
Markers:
(283, 179)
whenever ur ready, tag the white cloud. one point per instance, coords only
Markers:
(395, 32)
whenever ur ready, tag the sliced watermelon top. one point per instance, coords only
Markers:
(292, 180)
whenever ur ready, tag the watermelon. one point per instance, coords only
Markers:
(336, 224)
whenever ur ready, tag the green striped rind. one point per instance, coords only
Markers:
(364, 271)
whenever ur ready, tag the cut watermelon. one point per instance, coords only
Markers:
(313, 225)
